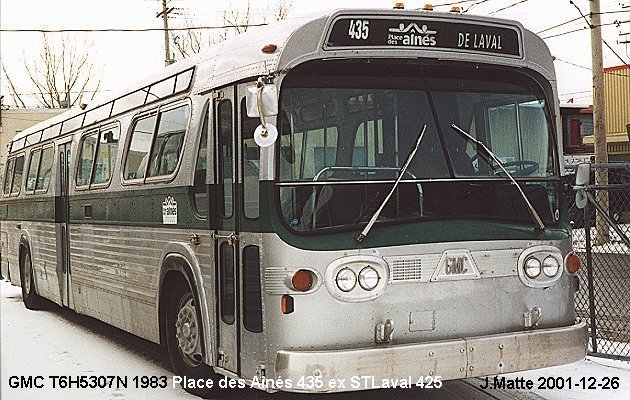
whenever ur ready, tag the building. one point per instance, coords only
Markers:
(13, 121)
(577, 121)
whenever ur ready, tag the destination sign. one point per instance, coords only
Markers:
(425, 34)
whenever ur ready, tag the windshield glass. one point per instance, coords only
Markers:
(347, 129)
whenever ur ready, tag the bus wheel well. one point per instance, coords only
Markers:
(171, 279)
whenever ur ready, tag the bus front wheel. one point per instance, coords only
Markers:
(31, 299)
(184, 340)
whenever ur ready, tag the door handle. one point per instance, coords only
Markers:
(231, 238)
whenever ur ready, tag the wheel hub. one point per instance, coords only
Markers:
(187, 333)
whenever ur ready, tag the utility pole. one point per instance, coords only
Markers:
(599, 120)
(164, 14)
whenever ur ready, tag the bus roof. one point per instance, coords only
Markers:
(298, 40)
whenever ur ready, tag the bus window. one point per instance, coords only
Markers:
(224, 116)
(252, 300)
(201, 196)
(33, 166)
(138, 152)
(86, 158)
(227, 283)
(167, 145)
(8, 176)
(251, 164)
(106, 155)
(45, 168)
(17, 175)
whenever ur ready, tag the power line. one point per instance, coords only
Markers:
(187, 28)
(559, 25)
(506, 7)
(472, 5)
(603, 40)
(583, 28)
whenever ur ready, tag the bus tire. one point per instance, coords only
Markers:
(31, 299)
(183, 340)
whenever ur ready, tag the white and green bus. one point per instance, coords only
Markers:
(358, 193)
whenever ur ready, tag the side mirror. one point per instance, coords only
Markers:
(582, 178)
(268, 104)
(262, 101)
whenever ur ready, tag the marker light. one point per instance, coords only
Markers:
(428, 7)
(456, 9)
(302, 280)
(399, 6)
(532, 267)
(346, 280)
(573, 263)
(551, 266)
(368, 278)
(270, 48)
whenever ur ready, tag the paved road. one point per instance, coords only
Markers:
(56, 341)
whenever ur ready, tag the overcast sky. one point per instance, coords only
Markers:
(124, 57)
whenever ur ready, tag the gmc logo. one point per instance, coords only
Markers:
(455, 266)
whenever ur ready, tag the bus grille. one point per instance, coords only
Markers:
(405, 269)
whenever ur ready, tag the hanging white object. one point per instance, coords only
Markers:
(265, 136)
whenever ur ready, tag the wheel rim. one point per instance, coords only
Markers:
(187, 332)
(28, 274)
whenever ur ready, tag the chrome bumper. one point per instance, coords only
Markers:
(450, 359)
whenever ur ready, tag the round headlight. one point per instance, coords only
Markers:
(532, 267)
(346, 279)
(551, 266)
(368, 278)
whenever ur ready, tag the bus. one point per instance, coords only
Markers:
(355, 196)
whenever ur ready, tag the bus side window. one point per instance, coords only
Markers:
(201, 196)
(86, 159)
(8, 176)
(45, 167)
(251, 164)
(33, 166)
(224, 117)
(106, 155)
(17, 175)
(138, 151)
(168, 141)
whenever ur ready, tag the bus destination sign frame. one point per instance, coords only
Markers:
(424, 33)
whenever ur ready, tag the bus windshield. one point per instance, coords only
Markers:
(347, 130)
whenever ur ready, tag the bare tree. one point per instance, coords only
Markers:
(236, 20)
(58, 77)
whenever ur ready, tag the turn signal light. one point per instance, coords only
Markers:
(573, 263)
(302, 280)
(286, 304)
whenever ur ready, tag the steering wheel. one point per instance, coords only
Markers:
(519, 168)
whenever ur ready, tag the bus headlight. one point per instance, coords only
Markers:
(532, 267)
(550, 266)
(346, 280)
(368, 278)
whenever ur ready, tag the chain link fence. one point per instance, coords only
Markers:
(603, 298)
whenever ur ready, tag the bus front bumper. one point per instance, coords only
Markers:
(361, 369)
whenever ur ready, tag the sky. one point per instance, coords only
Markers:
(123, 57)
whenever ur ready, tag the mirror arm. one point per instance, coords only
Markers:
(260, 84)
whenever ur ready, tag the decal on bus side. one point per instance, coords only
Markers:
(169, 211)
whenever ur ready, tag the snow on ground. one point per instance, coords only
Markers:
(55, 342)
(46, 343)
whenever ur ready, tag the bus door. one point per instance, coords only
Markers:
(61, 222)
(226, 231)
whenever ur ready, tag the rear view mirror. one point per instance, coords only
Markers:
(268, 101)
(583, 174)
(582, 179)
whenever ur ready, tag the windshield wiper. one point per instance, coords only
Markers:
(530, 207)
(401, 173)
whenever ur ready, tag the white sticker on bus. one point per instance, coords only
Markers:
(169, 211)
